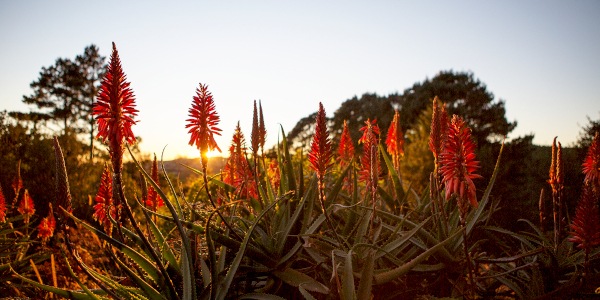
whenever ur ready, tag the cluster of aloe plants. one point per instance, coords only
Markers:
(329, 224)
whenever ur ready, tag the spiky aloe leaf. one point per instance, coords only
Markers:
(298, 279)
(223, 287)
(391, 246)
(63, 293)
(291, 180)
(261, 296)
(139, 259)
(400, 193)
(174, 213)
(348, 291)
(474, 218)
(149, 291)
(390, 275)
(163, 246)
(366, 277)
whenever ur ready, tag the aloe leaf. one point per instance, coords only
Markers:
(224, 286)
(366, 277)
(348, 291)
(389, 247)
(400, 193)
(147, 288)
(486, 195)
(55, 290)
(306, 294)
(390, 275)
(290, 222)
(289, 170)
(163, 246)
(185, 240)
(261, 296)
(139, 259)
(298, 279)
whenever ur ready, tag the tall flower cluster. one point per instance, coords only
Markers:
(395, 141)
(2, 207)
(46, 227)
(203, 121)
(458, 164)
(237, 172)
(585, 228)
(556, 173)
(105, 205)
(439, 128)
(346, 154)
(154, 200)
(115, 110)
(370, 165)
(26, 207)
(591, 164)
(320, 149)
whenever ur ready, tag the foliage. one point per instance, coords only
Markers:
(327, 225)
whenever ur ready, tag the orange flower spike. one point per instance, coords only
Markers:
(262, 131)
(458, 164)
(370, 167)
(26, 207)
(154, 201)
(585, 228)
(274, 174)
(552, 173)
(115, 110)
(439, 128)
(17, 183)
(395, 137)
(203, 121)
(104, 201)
(237, 172)
(255, 134)
(591, 164)
(46, 227)
(320, 151)
(346, 147)
(2, 207)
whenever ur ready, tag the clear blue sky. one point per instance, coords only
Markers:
(541, 57)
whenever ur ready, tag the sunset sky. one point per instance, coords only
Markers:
(541, 57)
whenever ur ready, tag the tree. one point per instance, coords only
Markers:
(465, 96)
(64, 92)
(418, 162)
(587, 134)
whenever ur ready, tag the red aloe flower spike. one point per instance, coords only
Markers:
(458, 164)
(274, 174)
(237, 172)
(47, 226)
(585, 228)
(262, 131)
(26, 207)
(395, 140)
(115, 110)
(591, 164)
(346, 154)
(552, 173)
(203, 122)
(346, 147)
(320, 151)
(104, 202)
(2, 207)
(255, 135)
(17, 183)
(370, 167)
(439, 128)
(153, 200)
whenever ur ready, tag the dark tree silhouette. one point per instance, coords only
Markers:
(64, 92)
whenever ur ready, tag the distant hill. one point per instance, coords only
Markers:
(177, 167)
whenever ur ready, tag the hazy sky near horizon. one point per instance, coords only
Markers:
(540, 57)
